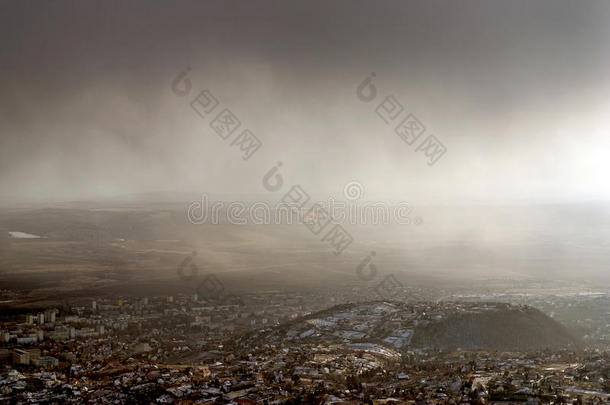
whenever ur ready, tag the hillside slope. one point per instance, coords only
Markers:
(522, 329)
(404, 327)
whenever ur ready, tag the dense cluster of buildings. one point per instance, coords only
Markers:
(272, 348)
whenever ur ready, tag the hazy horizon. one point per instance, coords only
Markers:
(305, 202)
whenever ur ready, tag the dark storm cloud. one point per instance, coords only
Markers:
(86, 108)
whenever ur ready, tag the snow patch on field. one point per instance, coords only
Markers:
(23, 235)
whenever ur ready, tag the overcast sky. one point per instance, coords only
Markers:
(517, 91)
